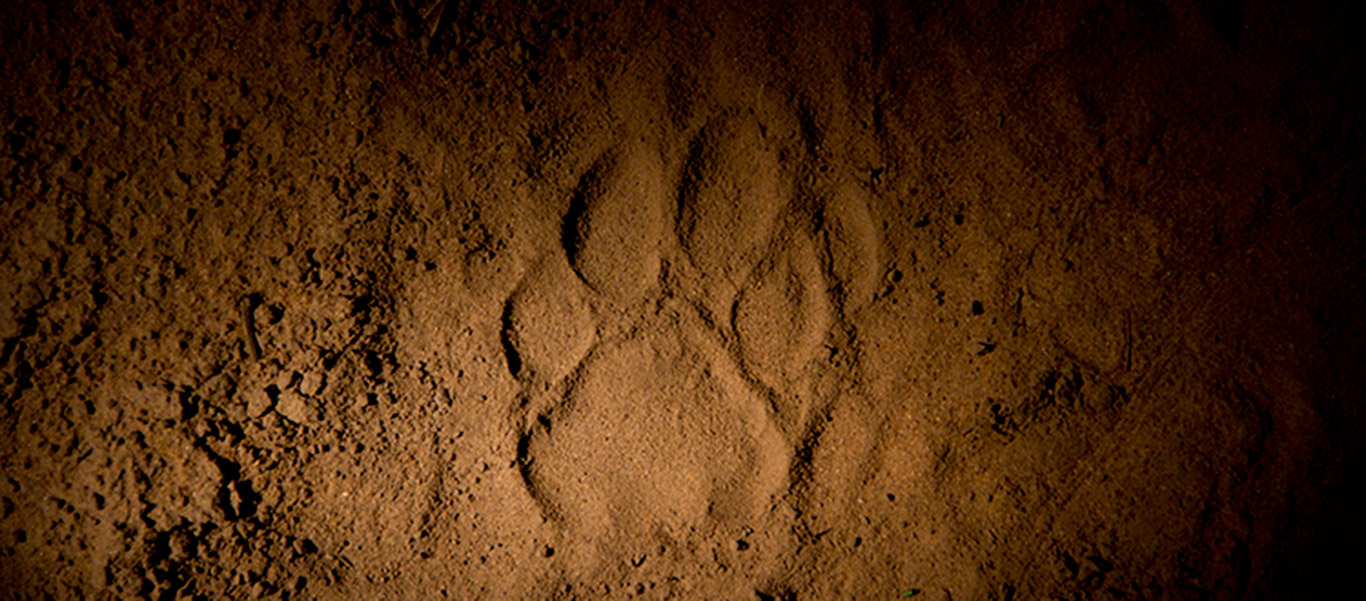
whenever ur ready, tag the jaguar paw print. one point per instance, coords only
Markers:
(665, 352)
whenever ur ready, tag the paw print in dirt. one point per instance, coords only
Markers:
(666, 355)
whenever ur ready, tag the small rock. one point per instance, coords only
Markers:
(260, 400)
(293, 407)
(182, 545)
(286, 379)
(312, 384)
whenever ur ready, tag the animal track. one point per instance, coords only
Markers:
(666, 370)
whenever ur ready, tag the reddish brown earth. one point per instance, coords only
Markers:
(423, 299)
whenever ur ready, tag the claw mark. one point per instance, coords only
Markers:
(247, 307)
(514, 359)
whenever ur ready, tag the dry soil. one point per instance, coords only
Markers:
(434, 298)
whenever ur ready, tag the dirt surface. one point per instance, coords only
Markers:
(421, 299)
